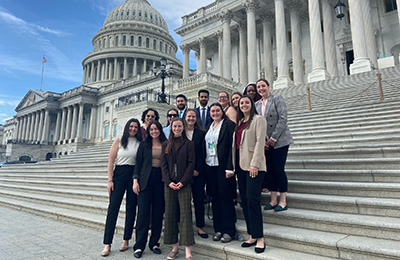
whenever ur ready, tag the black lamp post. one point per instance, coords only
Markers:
(162, 74)
(339, 9)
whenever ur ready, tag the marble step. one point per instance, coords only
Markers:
(93, 186)
(316, 143)
(381, 152)
(56, 177)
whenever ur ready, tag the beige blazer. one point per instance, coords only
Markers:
(251, 151)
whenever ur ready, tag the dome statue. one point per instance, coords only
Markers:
(133, 39)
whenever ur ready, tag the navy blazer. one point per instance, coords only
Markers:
(143, 164)
(208, 118)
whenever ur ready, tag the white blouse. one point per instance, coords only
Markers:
(127, 156)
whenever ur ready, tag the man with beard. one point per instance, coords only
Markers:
(203, 111)
(181, 104)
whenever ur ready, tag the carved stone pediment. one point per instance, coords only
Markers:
(31, 98)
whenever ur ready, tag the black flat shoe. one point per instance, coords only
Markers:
(205, 235)
(259, 250)
(156, 250)
(245, 244)
(138, 254)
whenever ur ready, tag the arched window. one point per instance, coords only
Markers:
(116, 40)
(154, 44)
(147, 43)
(140, 13)
(132, 40)
(106, 131)
(127, 13)
(124, 40)
(160, 46)
(166, 48)
(151, 16)
(116, 15)
(122, 14)
(133, 13)
(140, 41)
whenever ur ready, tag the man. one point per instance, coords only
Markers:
(171, 114)
(181, 104)
(203, 111)
(223, 99)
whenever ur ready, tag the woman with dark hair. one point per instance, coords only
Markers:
(171, 114)
(121, 164)
(278, 139)
(177, 164)
(231, 113)
(251, 91)
(147, 184)
(148, 116)
(220, 176)
(196, 135)
(250, 167)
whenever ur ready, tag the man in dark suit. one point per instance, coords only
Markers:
(181, 104)
(203, 111)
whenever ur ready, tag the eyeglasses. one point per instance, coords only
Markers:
(223, 97)
(172, 115)
(152, 116)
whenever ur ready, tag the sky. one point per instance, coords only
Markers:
(62, 31)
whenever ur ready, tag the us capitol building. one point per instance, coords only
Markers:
(289, 42)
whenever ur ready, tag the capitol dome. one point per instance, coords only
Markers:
(133, 39)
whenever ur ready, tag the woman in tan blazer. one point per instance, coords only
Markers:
(250, 167)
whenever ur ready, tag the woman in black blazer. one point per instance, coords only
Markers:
(220, 176)
(196, 135)
(147, 183)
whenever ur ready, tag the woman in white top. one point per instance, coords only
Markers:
(121, 165)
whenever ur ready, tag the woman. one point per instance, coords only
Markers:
(250, 167)
(121, 164)
(171, 114)
(220, 175)
(148, 116)
(177, 164)
(196, 135)
(277, 142)
(231, 113)
(147, 184)
(251, 91)
(223, 100)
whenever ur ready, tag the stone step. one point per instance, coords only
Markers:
(92, 171)
(57, 177)
(336, 175)
(357, 189)
(326, 144)
(93, 186)
(382, 152)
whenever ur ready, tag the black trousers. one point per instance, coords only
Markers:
(198, 194)
(220, 188)
(122, 182)
(250, 195)
(151, 199)
(275, 179)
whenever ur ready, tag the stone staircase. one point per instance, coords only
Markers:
(344, 179)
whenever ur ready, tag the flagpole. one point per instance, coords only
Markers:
(41, 79)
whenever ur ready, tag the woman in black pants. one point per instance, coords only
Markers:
(121, 164)
(194, 134)
(148, 186)
(250, 166)
(220, 174)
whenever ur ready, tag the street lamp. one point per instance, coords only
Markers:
(162, 74)
(339, 9)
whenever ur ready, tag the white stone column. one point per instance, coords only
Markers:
(115, 69)
(46, 125)
(84, 75)
(103, 71)
(126, 69)
(80, 123)
(283, 79)
(32, 128)
(74, 118)
(68, 128)
(111, 113)
(41, 125)
(135, 67)
(243, 69)
(36, 130)
(361, 62)
(92, 126)
(297, 57)
(318, 71)
(62, 128)
(203, 52)
(110, 70)
(106, 72)
(398, 7)
(250, 7)
(369, 32)
(23, 130)
(329, 39)
(92, 76)
(17, 127)
(268, 58)
(87, 73)
(28, 127)
(219, 35)
(98, 71)
(58, 122)
(197, 55)
(226, 41)
(144, 65)
(186, 50)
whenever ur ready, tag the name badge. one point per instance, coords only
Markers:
(211, 149)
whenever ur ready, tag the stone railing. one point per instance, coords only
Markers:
(207, 78)
(201, 12)
(79, 90)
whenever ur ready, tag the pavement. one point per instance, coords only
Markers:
(28, 236)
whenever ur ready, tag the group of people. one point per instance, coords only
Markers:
(213, 149)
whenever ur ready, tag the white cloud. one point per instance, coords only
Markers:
(9, 102)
